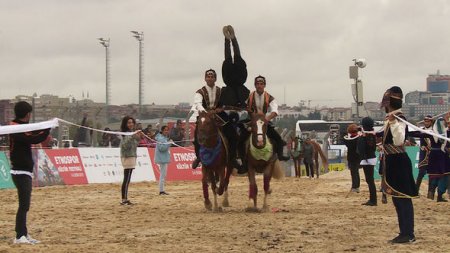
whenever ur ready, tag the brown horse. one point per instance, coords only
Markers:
(297, 156)
(213, 155)
(260, 159)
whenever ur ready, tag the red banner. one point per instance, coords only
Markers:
(180, 167)
(69, 165)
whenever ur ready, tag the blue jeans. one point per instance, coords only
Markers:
(162, 175)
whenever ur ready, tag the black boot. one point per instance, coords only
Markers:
(280, 154)
(195, 163)
(430, 195)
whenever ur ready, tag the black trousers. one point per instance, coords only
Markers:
(126, 182)
(309, 168)
(405, 215)
(354, 172)
(368, 174)
(23, 184)
(422, 173)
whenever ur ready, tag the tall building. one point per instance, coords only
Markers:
(437, 83)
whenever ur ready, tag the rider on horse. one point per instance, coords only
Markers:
(206, 99)
(260, 101)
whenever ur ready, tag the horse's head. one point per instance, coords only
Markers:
(207, 130)
(259, 129)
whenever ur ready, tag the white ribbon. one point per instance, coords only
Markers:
(430, 132)
(20, 128)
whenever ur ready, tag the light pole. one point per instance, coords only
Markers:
(105, 43)
(140, 37)
(357, 88)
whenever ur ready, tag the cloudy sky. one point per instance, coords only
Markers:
(304, 48)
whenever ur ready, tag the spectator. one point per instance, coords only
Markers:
(162, 156)
(128, 154)
(177, 133)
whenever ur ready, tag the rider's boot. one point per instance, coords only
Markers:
(280, 145)
(197, 161)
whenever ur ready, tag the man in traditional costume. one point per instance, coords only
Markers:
(398, 180)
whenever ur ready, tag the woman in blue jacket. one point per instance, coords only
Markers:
(162, 156)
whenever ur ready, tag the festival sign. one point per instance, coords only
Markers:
(69, 165)
(103, 165)
(180, 166)
(5, 174)
(45, 173)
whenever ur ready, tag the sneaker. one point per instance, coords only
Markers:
(226, 32)
(231, 32)
(440, 198)
(369, 203)
(32, 240)
(126, 203)
(163, 193)
(403, 239)
(22, 240)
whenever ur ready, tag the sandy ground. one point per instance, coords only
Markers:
(305, 216)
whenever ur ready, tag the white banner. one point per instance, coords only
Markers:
(21, 128)
(103, 165)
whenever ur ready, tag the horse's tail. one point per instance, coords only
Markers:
(277, 170)
(322, 156)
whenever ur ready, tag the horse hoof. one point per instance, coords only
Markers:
(252, 210)
(225, 203)
(208, 206)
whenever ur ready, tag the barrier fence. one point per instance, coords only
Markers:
(77, 166)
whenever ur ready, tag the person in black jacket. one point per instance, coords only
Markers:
(22, 167)
(353, 159)
(366, 150)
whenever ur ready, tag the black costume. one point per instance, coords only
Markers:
(234, 74)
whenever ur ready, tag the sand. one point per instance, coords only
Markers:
(305, 216)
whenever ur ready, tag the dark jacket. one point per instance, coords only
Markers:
(20, 147)
(366, 146)
(352, 157)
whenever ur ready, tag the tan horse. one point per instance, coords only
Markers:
(213, 156)
(317, 151)
(260, 159)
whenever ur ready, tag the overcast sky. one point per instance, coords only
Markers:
(301, 47)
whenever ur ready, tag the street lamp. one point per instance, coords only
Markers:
(140, 37)
(105, 43)
(357, 87)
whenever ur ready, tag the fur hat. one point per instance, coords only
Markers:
(367, 124)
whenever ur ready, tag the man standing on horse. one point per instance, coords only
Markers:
(261, 101)
(207, 99)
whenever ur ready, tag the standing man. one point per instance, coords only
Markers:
(22, 167)
(177, 133)
(206, 99)
(424, 152)
(398, 180)
(261, 101)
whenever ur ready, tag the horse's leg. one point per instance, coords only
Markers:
(253, 191)
(267, 190)
(214, 190)
(297, 167)
(316, 163)
(225, 202)
(207, 202)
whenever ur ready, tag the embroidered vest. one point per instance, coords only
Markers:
(252, 103)
(205, 102)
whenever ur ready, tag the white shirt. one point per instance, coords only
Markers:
(259, 102)
(198, 98)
